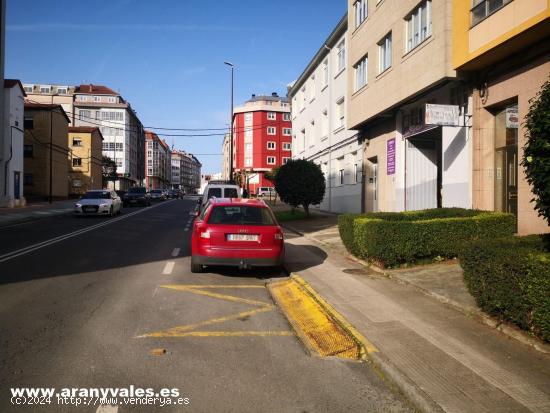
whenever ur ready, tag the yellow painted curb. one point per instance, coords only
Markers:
(320, 326)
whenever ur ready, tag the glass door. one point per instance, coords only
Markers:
(506, 159)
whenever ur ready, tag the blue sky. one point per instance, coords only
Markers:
(166, 56)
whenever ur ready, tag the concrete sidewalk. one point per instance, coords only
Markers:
(443, 359)
(31, 212)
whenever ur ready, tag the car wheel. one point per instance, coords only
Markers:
(111, 212)
(196, 268)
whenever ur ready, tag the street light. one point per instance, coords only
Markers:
(231, 124)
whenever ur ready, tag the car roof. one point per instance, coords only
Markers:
(237, 201)
(223, 185)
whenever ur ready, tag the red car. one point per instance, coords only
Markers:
(236, 232)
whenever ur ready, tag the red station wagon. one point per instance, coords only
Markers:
(236, 232)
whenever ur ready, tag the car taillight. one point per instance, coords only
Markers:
(279, 236)
(205, 234)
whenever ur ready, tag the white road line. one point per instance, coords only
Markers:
(37, 246)
(175, 252)
(107, 409)
(168, 268)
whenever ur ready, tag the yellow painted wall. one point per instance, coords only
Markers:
(90, 152)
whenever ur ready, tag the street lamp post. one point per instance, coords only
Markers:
(231, 125)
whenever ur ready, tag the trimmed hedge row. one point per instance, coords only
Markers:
(510, 279)
(393, 238)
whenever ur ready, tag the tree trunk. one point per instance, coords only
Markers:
(306, 209)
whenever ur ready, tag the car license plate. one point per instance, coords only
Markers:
(88, 208)
(133, 201)
(242, 237)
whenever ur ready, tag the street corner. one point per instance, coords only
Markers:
(321, 328)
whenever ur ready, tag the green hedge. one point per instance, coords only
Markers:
(393, 238)
(510, 279)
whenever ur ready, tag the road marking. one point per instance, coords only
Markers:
(175, 252)
(107, 409)
(188, 330)
(168, 268)
(13, 254)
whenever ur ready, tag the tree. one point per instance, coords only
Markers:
(108, 170)
(536, 155)
(300, 182)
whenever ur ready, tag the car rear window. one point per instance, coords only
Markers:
(217, 192)
(138, 190)
(240, 215)
(231, 193)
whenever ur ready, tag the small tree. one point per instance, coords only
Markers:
(108, 170)
(300, 182)
(536, 155)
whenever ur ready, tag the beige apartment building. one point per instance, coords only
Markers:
(503, 50)
(407, 104)
(52, 94)
(85, 159)
(46, 129)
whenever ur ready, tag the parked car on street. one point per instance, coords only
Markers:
(266, 191)
(236, 232)
(137, 196)
(175, 194)
(121, 194)
(158, 195)
(98, 202)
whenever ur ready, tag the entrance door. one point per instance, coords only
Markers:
(16, 184)
(372, 184)
(506, 160)
(423, 173)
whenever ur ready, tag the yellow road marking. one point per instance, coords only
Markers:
(232, 334)
(186, 330)
(215, 295)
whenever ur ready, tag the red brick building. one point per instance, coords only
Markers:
(262, 139)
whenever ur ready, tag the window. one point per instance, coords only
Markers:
(28, 151)
(324, 124)
(84, 114)
(361, 73)
(341, 177)
(28, 179)
(111, 115)
(45, 89)
(287, 131)
(325, 72)
(77, 142)
(483, 8)
(384, 53)
(248, 161)
(62, 90)
(112, 99)
(271, 160)
(271, 130)
(248, 117)
(419, 25)
(83, 98)
(361, 11)
(28, 88)
(340, 113)
(77, 162)
(97, 98)
(271, 145)
(248, 133)
(248, 147)
(28, 122)
(341, 56)
(285, 160)
(271, 115)
(119, 146)
(312, 88)
(303, 105)
(286, 146)
(150, 171)
(286, 116)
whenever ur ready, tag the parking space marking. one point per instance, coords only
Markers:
(175, 252)
(189, 330)
(168, 268)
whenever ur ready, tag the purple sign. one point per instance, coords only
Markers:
(390, 160)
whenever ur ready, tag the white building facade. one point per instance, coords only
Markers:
(318, 99)
(11, 151)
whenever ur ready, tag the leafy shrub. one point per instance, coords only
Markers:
(510, 279)
(392, 238)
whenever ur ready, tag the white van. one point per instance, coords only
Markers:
(266, 191)
(220, 191)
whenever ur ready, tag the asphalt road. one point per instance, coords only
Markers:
(112, 303)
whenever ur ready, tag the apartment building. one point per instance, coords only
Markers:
(45, 151)
(176, 166)
(408, 106)
(53, 94)
(318, 99)
(502, 48)
(158, 161)
(85, 159)
(226, 156)
(123, 133)
(262, 139)
(11, 145)
(190, 173)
